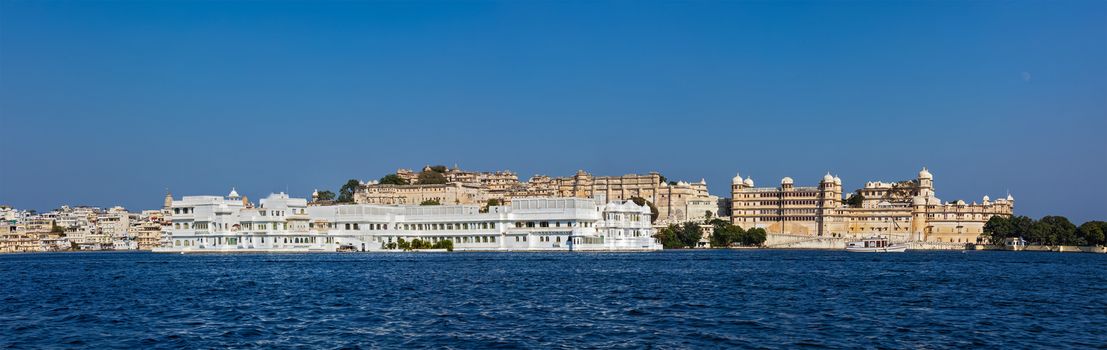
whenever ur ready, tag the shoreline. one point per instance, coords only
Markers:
(969, 247)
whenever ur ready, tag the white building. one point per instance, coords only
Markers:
(283, 224)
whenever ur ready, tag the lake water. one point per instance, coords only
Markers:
(670, 299)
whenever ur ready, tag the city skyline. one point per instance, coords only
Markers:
(109, 104)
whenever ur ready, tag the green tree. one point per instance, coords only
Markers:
(1039, 232)
(1062, 230)
(54, 228)
(441, 169)
(707, 215)
(346, 193)
(754, 237)
(431, 178)
(998, 228)
(392, 179)
(854, 201)
(430, 202)
(403, 244)
(420, 244)
(326, 195)
(490, 203)
(725, 233)
(653, 209)
(1022, 224)
(1054, 230)
(446, 244)
(668, 238)
(1092, 232)
(690, 234)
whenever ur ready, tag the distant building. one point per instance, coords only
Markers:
(676, 201)
(906, 209)
(450, 193)
(281, 223)
(146, 231)
(79, 228)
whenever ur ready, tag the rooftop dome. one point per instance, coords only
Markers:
(828, 178)
(924, 174)
(986, 198)
(786, 181)
(749, 181)
(1009, 198)
(837, 180)
(315, 193)
(233, 194)
(737, 178)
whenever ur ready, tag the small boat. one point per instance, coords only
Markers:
(875, 245)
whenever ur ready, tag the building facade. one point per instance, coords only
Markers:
(280, 223)
(906, 209)
(675, 201)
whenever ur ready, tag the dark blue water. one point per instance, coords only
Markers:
(672, 299)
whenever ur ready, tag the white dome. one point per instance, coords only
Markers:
(737, 179)
(828, 178)
(837, 180)
(924, 174)
(703, 181)
(1009, 198)
(749, 181)
(233, 194)
(786, 181)
(986, 198)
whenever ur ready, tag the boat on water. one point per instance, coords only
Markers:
(875, 245)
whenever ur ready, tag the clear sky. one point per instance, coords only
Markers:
(110, 103)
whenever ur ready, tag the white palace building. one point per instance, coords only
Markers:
(283, 224)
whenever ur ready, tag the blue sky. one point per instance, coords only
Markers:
(110, 103)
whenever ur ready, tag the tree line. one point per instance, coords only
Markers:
(727, 234)
(401, 244)
(724, 234)
(1049, 230)
(436, 175)
(345, 193)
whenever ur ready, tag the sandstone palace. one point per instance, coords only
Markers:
(907, 210)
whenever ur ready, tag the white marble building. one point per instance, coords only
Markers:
(283, 224)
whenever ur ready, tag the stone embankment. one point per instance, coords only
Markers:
(789, 241)
(1047, 248)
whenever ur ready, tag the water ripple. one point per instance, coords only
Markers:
(672, 299)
